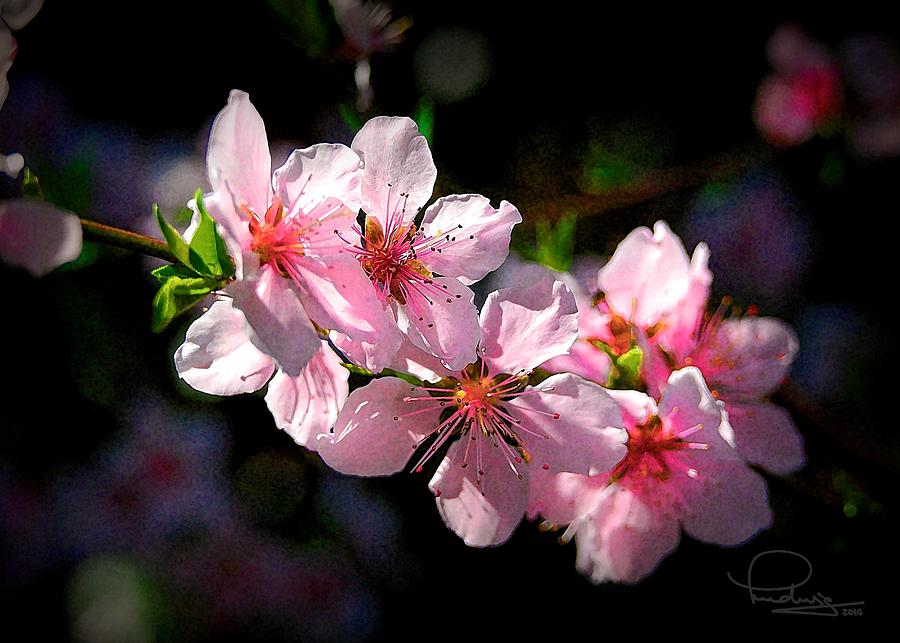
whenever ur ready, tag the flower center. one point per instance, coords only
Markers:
(392, 258)
(651, 452)
(476, 408)
(277, 241)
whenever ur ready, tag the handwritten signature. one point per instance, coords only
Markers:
(784, 591)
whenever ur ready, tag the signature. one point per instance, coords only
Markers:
(784, 591)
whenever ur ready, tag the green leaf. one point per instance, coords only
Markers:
(31, 187)
(424, 118)
(208, 255)
(625, 372)
(350, 117)
(180, 290)
(556, 244)
(177, 245)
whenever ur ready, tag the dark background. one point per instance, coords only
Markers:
(132, 508)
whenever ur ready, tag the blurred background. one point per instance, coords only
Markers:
(135, 509)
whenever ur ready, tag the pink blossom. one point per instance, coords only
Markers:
(37, 236)
(289, 267)
(655, 297)
(681, 472)
(423, 273)
(218, 356)
(506, 427)
(803, 94)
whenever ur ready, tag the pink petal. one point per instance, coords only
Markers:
(727, 504)
(367, 440)
(560, 498)
(339, 295)
(37, 236)
(316, 173)
(396, 160)
(584, 360)
(217, 356)
(688, 405)
(582, 425)
(765, 435)
(449, 329)
(277, 322)
(479, 235)
(486, 514)
(749, 355)
(237, 158)
(18, 13)
(679, 332)
(308, 405)
(636, 407)
(412, 359)
(624, 539)
(648, 275)
(524, 327)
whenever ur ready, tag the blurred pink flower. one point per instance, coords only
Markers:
(368, 27)
(681, 471)
(37, 236)
(506, 428)
(462, 238)
(18, 13)
(803, 95)
(289, 266)
(14, 14)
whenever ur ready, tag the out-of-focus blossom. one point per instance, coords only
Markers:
(803, 95)
(764, 240)
(11, 164)
(37, 236)
(368, 27)
(240, 578)
(681, 471)
(423, 273)
(18, 13)
(14, 14)
(505, 427)
(872, 69)
(7, 53)
(165, 476)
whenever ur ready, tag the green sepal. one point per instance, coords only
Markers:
(387, 372)
(31, 187)
(180, 289)
(177, 245)
(625, 371)
(207, 248)
(206, 254)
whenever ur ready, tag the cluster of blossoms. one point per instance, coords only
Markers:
(338, 268)
(619, 408)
